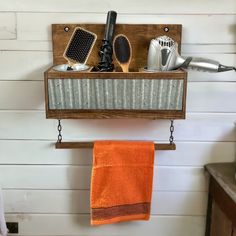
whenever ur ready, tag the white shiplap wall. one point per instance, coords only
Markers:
(47, 190)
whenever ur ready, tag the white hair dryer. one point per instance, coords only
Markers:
(163, 56)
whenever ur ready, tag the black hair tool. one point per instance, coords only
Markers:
(106, 50)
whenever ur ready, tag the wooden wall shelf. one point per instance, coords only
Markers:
(136, 94)
(105, 95)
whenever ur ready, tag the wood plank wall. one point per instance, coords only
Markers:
(47, 190)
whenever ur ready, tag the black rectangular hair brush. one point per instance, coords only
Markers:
(79, 46)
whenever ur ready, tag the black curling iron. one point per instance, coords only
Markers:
(106, 50)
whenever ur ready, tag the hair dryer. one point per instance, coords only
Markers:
(163, 56)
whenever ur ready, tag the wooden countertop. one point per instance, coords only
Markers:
(224, 174)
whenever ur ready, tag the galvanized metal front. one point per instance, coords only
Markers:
(116, 94)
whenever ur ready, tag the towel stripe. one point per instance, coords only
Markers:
(121, 210)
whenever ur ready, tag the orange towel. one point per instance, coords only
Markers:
(121, 185)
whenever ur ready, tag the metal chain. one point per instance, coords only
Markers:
(172, 129)
(171, 139)
(59, 128)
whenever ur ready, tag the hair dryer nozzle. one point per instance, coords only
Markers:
(223, 68)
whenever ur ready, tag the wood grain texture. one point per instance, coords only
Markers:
(140, 42)
(78, 145)
(177, 74)
(208, 215)
(223, 201)
(139, 37)
(220, 224)
(224, 175)
(221, 213)
(113, 114)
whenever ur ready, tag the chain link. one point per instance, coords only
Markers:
(171, 139)
(172, 129)
(59, 128)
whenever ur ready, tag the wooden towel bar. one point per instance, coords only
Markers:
(77, 145)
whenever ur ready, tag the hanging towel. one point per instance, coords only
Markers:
(121, 184)
(3, 227)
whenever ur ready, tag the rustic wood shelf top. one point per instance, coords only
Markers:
(139, 36)
(175, 74)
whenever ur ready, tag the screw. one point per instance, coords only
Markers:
(66, 29)
(166, 29)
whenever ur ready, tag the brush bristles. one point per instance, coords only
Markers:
(122, 49)
(80, 45)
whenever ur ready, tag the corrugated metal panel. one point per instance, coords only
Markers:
(140, 94)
